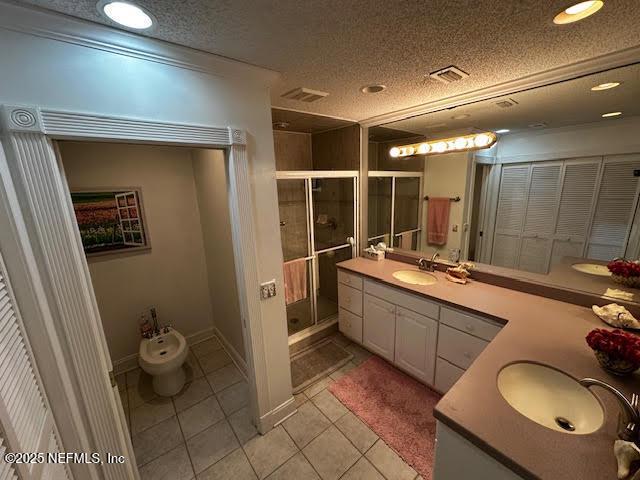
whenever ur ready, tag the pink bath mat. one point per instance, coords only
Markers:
(396, 407)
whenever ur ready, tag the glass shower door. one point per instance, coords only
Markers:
(296, 251)
(379, 212)
(406, 213)
(333, 207)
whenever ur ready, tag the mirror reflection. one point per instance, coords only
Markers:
(553, 200)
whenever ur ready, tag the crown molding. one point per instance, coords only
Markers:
(62, 28)
(559, 74)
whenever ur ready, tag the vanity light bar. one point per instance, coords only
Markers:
(474, 141)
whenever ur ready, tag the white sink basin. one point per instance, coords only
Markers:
(550, 398)
(592, 269)
(415, 277)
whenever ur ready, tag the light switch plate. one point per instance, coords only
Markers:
(268, 289)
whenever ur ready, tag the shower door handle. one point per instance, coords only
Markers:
(351, 241)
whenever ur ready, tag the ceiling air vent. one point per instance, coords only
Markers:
(448, 75)
(506, 103)
(304, 95)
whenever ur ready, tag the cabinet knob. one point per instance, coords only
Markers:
(467, 355)
(347, 300)
(470, 328)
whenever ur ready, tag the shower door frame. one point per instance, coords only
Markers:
(312, 254)
(393, 174)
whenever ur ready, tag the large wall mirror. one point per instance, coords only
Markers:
(553, 200)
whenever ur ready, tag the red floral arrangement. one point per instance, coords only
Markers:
(616, 344)
(624, 268)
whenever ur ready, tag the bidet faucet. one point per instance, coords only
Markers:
(629, 409)
(154, 316)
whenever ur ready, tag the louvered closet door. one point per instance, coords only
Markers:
(26, 422)
(512, 203)
(614, 208)
(579, 186)
(539, 220)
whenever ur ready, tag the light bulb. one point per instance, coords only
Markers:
(579, 7)
(439, 147)
(578, 12)
(460, 143)
(482, 140)
(394, 152)
(128, 14)
(424, 148)
(605, 86)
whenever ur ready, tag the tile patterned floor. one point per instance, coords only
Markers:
(205, 433)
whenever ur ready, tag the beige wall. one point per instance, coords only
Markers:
(211, 190)
(172, 275)
(446, 176)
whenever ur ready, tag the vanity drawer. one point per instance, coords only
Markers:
(350, 325)
(350, 279)
(458, 347)
(446, 375)
(350, 299)
(406, 300)
(473, 325)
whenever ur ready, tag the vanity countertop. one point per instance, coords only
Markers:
(536, 329)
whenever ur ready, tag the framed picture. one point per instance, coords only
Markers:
(111, 220)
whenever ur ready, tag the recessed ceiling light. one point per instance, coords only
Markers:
(373, 88)
(605, 86)
(578, 12)
(460, 116)
(611, 114)
(126, 14)
(503, 130)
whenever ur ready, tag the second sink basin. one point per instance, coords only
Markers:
(415, 277)
(592, 269)
(550, 398)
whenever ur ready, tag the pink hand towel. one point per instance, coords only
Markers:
(438, 220)
(295, 280)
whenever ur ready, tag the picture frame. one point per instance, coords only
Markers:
(111, 220)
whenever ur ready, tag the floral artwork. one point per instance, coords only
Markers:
(110, 220)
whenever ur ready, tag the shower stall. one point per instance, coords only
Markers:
(318, 227)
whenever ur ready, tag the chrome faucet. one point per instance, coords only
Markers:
(428, 265)
(154, 316)
(628, 407)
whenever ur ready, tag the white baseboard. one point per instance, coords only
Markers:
(236, 357)
(130, 362)
(277, 416)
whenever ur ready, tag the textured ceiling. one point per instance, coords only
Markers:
(338, 46)
(567, 103)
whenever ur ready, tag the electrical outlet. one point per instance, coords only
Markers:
(268, 289)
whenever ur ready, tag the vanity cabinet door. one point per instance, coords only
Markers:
(379, 327)
(416, 340)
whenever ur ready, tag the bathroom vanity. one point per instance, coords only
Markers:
(456, 339)
(433, 343)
